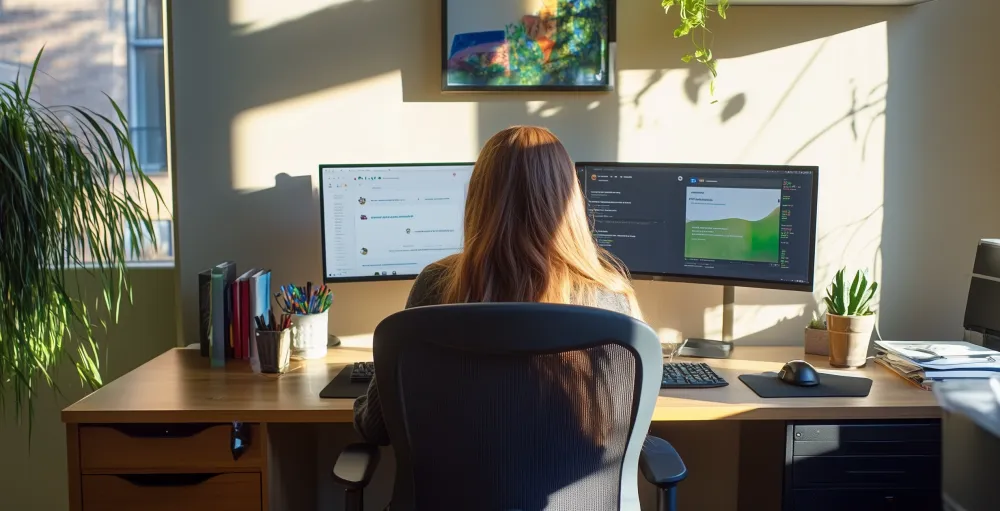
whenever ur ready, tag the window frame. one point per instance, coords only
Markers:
(136, 44)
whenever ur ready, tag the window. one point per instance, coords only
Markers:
(147, 84)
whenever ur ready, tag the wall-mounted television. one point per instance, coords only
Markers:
(527, 45)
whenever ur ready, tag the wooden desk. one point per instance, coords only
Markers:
(180, 387)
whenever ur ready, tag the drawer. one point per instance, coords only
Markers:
(171, 492)
(867, 471)
(864, 500)
(888, 432)
(166, 447)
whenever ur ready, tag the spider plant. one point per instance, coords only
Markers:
(70, 186)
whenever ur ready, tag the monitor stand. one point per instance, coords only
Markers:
(708, 348)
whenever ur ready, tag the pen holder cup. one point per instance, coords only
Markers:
(309, 335)
(274, 350)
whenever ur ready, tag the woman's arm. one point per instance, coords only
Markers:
(368, 419)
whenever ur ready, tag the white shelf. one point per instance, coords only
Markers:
(749, 3)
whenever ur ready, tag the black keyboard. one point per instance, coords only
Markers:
(362, 372)
(690, 375)
(676, 375)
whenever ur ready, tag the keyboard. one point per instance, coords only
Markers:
(362, 372)
(676, 375)
(690, 375)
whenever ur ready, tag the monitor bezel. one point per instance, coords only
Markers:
(322, 215)
(724, 281)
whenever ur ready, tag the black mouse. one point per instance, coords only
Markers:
(799, 373)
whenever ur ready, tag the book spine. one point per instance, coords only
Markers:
(204, 312)
(245, 319)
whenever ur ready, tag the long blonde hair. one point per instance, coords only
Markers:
(527, 235)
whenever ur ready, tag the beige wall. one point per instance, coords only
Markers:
(894, 104)
(33, 475)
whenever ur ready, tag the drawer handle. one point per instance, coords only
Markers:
(868, 472)
(166, 480)
(160, 430)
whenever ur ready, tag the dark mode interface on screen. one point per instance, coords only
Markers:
(729, 223)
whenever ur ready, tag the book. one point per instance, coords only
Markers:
(236, 320)
(228, 278)
(204, 311)
(241, 293)
(217, 337)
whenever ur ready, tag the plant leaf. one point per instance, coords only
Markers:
(722, 8)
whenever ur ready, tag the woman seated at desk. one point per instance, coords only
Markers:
(527, 239)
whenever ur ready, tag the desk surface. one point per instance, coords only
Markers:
(179, 386)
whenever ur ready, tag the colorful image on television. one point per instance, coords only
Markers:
(541, 44)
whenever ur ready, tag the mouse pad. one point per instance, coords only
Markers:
(767, 385)
(341, 387)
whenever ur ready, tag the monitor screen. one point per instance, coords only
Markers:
(387, 222)
(751, 226)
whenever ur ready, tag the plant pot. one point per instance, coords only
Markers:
(850, 338)
(817, 342)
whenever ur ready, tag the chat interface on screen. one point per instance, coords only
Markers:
(391, 221)
(741, 224)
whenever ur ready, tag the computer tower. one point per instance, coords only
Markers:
(982, 308)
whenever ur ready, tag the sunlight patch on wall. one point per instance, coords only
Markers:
(249, 16)
(363, 122)
(821, 102)
(753, 319)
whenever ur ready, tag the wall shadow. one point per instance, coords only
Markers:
(321, 50)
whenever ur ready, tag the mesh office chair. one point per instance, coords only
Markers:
(516, 407)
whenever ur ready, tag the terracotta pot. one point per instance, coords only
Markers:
(850, 338)
(817, 342)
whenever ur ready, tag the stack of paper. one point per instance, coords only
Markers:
(927, 362)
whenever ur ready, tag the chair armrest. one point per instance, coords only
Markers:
(355, 465)
(660, 464)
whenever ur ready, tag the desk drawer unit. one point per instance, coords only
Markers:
(863, 466)
(153, 467)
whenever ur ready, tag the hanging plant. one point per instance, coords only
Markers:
(72, 200)
(694, 16)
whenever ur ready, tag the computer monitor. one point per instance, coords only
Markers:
(738, 225)
(729, 225)
(389, 221)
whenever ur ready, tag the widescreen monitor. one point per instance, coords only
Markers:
(731, 225)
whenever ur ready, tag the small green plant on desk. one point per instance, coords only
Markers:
(850, 318)
(71, 194)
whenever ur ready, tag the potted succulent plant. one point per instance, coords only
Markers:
(817, 339)
(850, 319)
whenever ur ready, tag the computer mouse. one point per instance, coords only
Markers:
(799, 373)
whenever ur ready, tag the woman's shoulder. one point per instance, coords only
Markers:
(612, 301)
(426, 289)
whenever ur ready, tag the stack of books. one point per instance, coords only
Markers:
(924, 363)
(228, 302)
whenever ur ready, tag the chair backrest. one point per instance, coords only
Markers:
(516, 406)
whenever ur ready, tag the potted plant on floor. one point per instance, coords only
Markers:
(850, 319)
(817, 339)
(71, 194)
